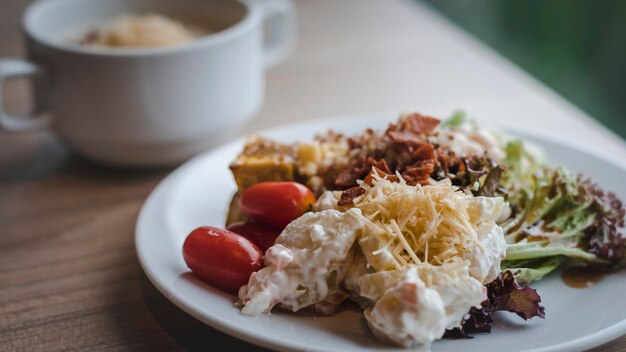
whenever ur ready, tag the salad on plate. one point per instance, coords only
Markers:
(428, 226)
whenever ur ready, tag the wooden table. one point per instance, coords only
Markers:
(69, 277)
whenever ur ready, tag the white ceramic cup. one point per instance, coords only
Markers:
(147, 106)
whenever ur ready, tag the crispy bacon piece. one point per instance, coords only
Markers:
(347, 177)
(403, 148)
(381, 165)
(381, 169)
(370, 177)
(405, 137)
(425, 161)
(419, 174)
(412, 129)
(425, 152)
(348, 195)
(363, 168)
(416, 123)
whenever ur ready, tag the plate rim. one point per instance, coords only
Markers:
(595, 339)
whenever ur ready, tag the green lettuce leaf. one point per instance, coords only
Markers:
(556, 215)
(457, 118)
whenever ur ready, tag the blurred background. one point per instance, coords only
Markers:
(576, 47)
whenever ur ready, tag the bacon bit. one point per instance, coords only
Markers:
(412, 129)
(347, 178)
(381, 169)
(422, 124)
(425, 152)
(425, 161)
(405, 137)
(370, 177)
(403, 148)
(416, 123)
(348, 195)
(381, 165)
(388, 175)
(420, 173)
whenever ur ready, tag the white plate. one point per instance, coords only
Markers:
(198, 193)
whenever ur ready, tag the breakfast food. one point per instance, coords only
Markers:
(429, 226)
(143, 31)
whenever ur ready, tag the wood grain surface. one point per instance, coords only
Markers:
(69, 276)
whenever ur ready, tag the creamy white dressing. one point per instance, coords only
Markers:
(328, 200)
(485, 258)
(484, 209)
(278, 256)
(467, 139)
(408, 313)
(458, 290)
(372, 286)
(399, 313)
(324, 254)
(309, 260)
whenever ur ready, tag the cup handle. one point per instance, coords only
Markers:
(279, 20)
(10, 68)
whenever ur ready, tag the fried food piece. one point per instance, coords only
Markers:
(263, 160)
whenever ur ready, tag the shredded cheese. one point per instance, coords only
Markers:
(415, 224)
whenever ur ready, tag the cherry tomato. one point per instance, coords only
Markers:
(221, 258)
(276, 203)
(261, 235)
